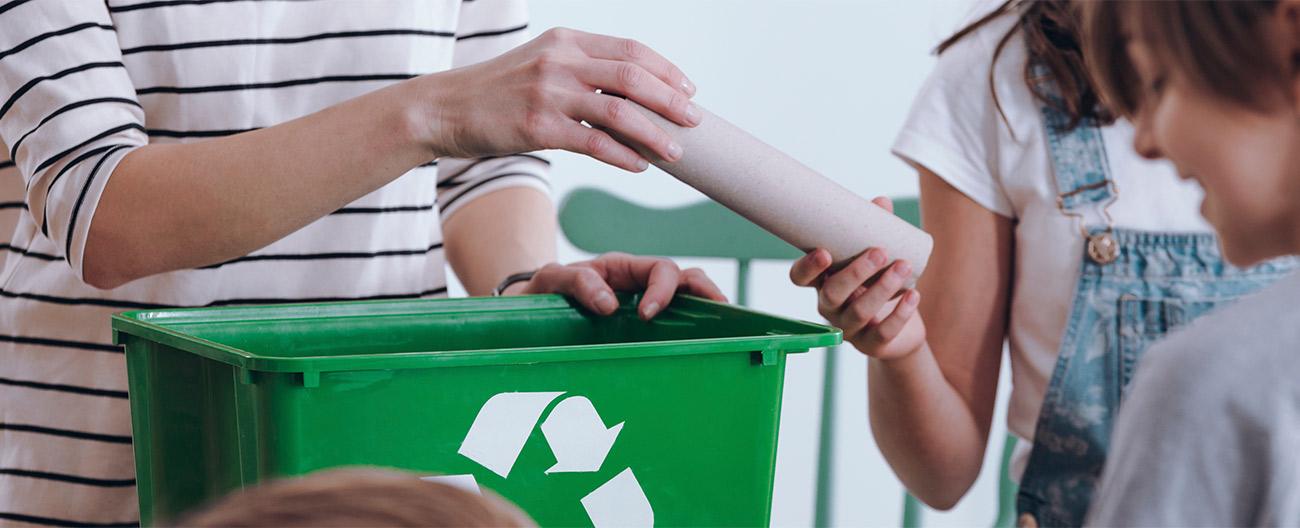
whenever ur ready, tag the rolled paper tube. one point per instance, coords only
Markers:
(785, 197)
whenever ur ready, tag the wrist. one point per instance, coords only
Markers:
(907, 360)
(518, 288)
(428, 121)
(514, 284)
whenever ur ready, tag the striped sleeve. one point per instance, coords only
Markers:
(68, 114)
(488, 28)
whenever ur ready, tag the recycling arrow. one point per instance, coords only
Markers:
(577, 436)
(579, 440)
(502, 427)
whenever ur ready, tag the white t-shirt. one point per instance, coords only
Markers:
(955, 131)
(81, 84)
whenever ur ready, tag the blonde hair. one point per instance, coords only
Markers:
(357, 497)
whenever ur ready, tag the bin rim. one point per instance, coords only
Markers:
(152, 325)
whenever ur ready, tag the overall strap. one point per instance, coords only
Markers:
(1078, 156)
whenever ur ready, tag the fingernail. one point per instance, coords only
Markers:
(903, 269)
(876, 256)
(693, 114)
(912, 297)
(642, 164)
(674, 151)
(606, 302)
(650, 310)
(688, 86)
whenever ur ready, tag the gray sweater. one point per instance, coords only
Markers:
(1210, 434)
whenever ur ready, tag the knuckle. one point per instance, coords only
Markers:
(536, 125)
(861, 312)
(596, 143)
(633, 49)
(558, 34)
(587, 274)
(891, 281)
(862, 269)
(547, 64)
(630, 76)
(615, 109)
(677, 102)
(886, 333)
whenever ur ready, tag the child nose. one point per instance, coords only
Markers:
(1144, 142)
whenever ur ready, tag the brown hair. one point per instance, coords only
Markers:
(357, 497)
(1220, 47)
(1051, 33)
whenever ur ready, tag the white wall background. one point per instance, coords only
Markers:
(829, 82)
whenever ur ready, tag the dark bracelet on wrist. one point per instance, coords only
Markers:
(512, 280)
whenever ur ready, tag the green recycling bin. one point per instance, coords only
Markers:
(581, 420)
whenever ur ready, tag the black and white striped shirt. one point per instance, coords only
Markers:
(82, 83)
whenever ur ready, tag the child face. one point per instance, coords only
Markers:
(1247, 161)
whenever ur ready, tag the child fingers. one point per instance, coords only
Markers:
(837, 288)
(892, 325)
(808, 269)
(884, 203)
(887, 285)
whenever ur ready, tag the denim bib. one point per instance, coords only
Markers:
(1134, 287)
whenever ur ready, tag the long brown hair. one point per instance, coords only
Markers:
(1220, 47)
(1051, 33)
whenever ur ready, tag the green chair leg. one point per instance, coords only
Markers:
(911, 511)
(826, 443)
(1007, 488)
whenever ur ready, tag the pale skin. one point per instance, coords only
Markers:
(172, 207)
(1246, 159)
(931, 394)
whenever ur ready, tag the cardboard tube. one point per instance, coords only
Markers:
(783, 196)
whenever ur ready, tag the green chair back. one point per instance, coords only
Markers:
(596, 221)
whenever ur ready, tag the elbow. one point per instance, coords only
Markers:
(100, 273)
(942, 500)
(104, 265)
(942, 491)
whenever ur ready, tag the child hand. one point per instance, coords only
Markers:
(866, 299)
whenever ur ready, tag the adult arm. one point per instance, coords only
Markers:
(124, 209)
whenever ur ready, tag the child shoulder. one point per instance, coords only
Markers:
(1237, 353)
(971, 56)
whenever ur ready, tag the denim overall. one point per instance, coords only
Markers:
(1134, 287)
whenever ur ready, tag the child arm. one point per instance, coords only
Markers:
(931, 396)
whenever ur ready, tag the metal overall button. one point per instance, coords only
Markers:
(1102, 248)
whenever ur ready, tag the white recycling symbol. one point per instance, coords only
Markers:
(578, 438)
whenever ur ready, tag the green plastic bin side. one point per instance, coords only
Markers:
(700, 408)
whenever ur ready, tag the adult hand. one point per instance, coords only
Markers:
(866, 299)
(593, 282)
(538, 96)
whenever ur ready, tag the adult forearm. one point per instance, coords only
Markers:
(170, 207)
(505, 232)
(177, 206)
(925, 429)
